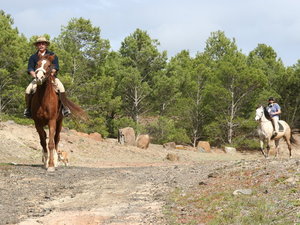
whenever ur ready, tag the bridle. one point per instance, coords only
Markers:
(261, 114)
(40, 78)
(41, 69)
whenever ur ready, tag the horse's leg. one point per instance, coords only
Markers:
(287, 138)
(51, 145)
(56, 139)
(262, 147)
(277, 147)
(43, 137)
(268, 148)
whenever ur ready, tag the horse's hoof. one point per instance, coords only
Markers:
(51, 169)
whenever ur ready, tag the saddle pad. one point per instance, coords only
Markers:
(281, 129)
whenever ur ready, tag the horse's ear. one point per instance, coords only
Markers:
(51, 57)
(40, 55)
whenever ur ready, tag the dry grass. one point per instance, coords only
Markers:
(274, 199)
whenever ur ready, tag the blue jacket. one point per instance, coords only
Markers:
(35, 58)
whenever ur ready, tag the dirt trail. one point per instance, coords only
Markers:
(80, 195)
(105, 184)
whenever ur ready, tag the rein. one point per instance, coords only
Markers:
(41, 69)
(46, 73)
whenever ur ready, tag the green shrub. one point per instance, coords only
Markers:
(164, 130)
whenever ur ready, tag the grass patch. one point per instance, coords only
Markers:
(246, 210)
(273, 200)
(295, 203)
(280, 180)
(18, 120)
(223, 208)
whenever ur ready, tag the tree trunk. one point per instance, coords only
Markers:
(0, 107)
(136, 105)
(230, 123)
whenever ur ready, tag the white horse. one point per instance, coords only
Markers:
(265, 132)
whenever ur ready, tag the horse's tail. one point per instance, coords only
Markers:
(293, 140)
(76, 111)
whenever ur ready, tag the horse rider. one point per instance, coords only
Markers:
(274, 111)
(42, 44)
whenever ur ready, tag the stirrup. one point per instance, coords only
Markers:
(27, 113)
(66, 112)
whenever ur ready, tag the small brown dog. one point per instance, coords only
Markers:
(63, 157)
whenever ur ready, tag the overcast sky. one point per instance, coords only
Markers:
(177, 24)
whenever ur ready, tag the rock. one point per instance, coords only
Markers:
(126, 136)
(203, 145)
(292, 180)
(213, 175)
(181, 147)
(33, 146)
(172, 157)
(202, 183)
(230, 150)
(169, 145)
(65, 130)
(143, 141)
(95, 136)
(200, 149)
(242, 191)
(81, 134)
(10, 122)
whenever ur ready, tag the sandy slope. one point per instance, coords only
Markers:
(106, 183)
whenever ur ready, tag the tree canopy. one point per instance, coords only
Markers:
(210, 96)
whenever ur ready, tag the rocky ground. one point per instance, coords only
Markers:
(107, 183)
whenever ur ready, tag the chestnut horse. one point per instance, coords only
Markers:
(46, 109)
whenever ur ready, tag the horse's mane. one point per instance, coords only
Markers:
(267, 115)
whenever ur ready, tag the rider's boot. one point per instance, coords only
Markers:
(274, 130)
(27, 111)
(65, 110)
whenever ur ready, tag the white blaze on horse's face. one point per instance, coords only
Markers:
(40, 73)
(259, 113)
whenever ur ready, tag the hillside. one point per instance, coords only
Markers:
(20, 144)
(107, 183)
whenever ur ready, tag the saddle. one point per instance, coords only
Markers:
(281, 129)
(34, 87)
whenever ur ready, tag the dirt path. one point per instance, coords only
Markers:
(78, 195)
(105, 184)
